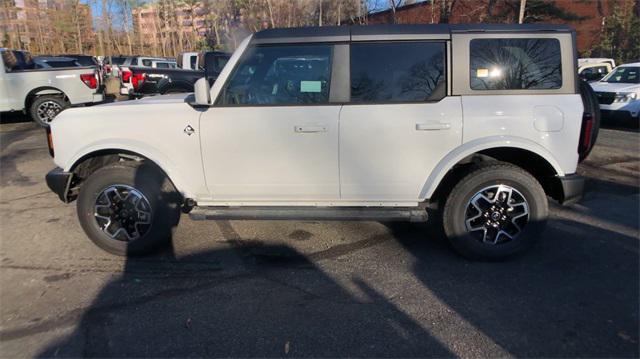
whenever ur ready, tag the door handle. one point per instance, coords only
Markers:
(310, 129)
(432, 126)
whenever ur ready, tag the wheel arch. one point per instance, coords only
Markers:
(84, 165)
(531, 157)
(40, 91)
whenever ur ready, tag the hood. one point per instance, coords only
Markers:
(132, 110)
(600, 86)
(159, 99)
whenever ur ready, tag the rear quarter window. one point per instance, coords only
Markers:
(515, 64)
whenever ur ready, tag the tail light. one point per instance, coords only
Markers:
(49, 140)
(587, 131)
(91, 80)
(126, 75)
(137, 80)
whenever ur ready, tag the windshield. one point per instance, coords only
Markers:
(630, 75)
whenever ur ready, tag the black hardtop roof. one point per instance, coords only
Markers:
(404, 29)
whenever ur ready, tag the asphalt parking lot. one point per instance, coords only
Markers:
(321, 289)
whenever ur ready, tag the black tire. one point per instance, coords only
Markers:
(484, 176)
(55, 103)
(592, 106)
(162, 198)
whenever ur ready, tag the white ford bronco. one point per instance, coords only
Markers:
(480, 122)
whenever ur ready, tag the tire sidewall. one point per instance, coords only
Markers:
(145, 179)
(455, 211)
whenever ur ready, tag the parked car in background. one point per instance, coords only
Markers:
(188, 60)
(594, 71)
(619, 93)
(44, 92)
(145, 81)
(596, 60)
(162, 64)
(46, 62)
(127, 86)
(481, 121)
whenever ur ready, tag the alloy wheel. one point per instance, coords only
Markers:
(496, 214)
(123, 213)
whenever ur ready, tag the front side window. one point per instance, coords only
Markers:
(397, 72)
(629, 75)
(515, 64)
(280, 75)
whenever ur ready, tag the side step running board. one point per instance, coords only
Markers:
(410, 214)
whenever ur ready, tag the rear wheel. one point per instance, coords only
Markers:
(495, 211)
(128, 208)
(45, 108)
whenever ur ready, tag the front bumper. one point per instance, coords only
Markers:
(59, 182)
(619, 115)
(572, 189)
(629, 109)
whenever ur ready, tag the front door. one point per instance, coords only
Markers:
(272, 135)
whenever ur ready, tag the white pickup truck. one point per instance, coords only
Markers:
(480, 122)
(44, 92)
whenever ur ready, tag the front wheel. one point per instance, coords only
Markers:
(496, 211)
(128, 208)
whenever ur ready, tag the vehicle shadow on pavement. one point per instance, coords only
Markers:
(278, 303)
(575, 294)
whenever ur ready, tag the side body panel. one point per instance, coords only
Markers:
(551, 121)
(269, 153)
(153, 128)
(388, 151)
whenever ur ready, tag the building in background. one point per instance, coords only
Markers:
(170, 27)
(589, 18)
(46, 26)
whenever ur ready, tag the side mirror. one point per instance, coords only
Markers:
(202, 92)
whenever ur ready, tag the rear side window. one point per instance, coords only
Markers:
(397, 72)
(281, 75)
(515, 64)
(62, 63)
(117, 60)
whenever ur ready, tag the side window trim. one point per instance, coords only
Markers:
(340, 84)
(460, 58)
(222, 95)
(447, 68)
(517, 55)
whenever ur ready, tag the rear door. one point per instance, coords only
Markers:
(399, 122)
(272, 135)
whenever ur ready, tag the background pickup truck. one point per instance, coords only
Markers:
(43, 93)
(151, 81)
